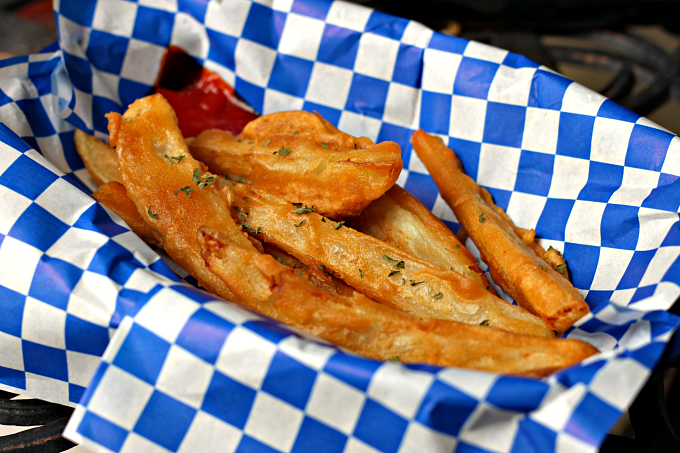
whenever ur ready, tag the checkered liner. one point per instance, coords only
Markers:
(93, 316)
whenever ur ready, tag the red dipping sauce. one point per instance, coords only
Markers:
(200, 98)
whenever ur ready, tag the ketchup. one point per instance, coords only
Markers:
(200, 98)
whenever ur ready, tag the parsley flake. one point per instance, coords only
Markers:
(300, 224)
(297, 205)
(323, 219)
(393, 262)
(551, 248)
(403, 281)
(560, 268)
(395, 359)
(393, 273)
(236, 208)
(484, 323)
(266, 143)
(300, 273)
(305, 210)
(339, 225)
(281, 261)
(481, 218)
(414, 283)
(282, 151)
(186, 190)
(325, 272)
(361, 273)
(127, 119)
(438, 296)
(541, 266)
(295, 132)
(457, 246)
(242, 217)
(153, 216)
(324, 145)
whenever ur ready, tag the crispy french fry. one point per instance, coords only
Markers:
(301, 157)
(379, 270)
(512, 258)
(114, 196)
(371, 329)
(398, 218)
(99, 158)
(172, 192)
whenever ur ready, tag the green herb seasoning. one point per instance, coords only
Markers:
(457, 246)
(300, 273)
(186, 190)
(438, 296)
(295, 132)
(414, 283)
(325, 272)
(266, 143)
(361, 273)
(541, 266)
(551, 248)
(484, 323)
(236, 208)
(403, 281)
(153, 216)
(393, 273)
(323, 219)
(300, 224)
(324, 145)
(393, 262)
(560, 268)
(281, 261)
(481, 218)
(300, 211)
(282, 151)
(339, 225)
(242, 217)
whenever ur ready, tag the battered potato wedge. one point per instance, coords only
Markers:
(381, 271)
(301, 157)
(374, 330)
(99, 158)
(398, 218)
(173, 193)
(114, 196)
(513, 261)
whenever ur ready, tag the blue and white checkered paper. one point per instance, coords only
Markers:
(93, 316)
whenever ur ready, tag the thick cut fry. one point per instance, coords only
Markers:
(513, 262)
(114, 196)
(99, 158)
(172, 192)
(301, 157)
(398, 218)
(377, 269)
(374, 330)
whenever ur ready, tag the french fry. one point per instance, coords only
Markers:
(114, 196)
(379, 270)
(173, 193)
(301, 157)
(374, 330)
(398, 218)
(99, 158)
(512, 258)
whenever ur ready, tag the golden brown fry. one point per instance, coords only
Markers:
(99, 158)
(374, 330)
(172, 192)
(114, 196)
(398, 218)
(512, 260)
(301, 157)
(332, 284)
(377, 269)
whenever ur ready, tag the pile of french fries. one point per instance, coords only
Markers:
(303, 223)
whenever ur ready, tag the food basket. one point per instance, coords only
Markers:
(96, 319)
